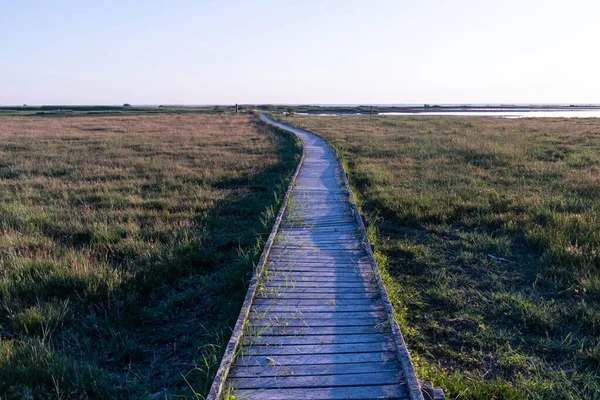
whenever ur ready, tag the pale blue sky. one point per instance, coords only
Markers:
(277, 51)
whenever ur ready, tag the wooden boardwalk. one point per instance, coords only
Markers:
(317, 323)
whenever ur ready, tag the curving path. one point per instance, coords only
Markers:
(318, 324)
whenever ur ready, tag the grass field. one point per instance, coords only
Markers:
(488, 234)
(126, 244)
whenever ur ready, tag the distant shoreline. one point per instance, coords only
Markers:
(445, 108)
(323, 109)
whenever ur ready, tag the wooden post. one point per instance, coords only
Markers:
(371, 112)
(236, 108)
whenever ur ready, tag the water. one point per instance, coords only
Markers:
(507, 114)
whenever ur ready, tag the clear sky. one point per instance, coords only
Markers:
(279, 51)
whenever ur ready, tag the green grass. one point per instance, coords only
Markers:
(126, 247)
(449, 196)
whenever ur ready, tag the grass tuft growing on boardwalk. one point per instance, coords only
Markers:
(488, 235)
(126, 244)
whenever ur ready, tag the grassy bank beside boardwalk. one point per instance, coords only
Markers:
(126, 244)
(488, 234)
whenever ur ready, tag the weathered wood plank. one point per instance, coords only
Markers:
(289, 284)
(341, 227)
(318, 381)
(315, 370)
(282, 291)
(324, 257)
(314, 339)
(348, 271)
(323, 261)
(331, 316)
(318, 237)
(320, 263)
(283, 277)
(304, 248)
(319, 279)
(316, 331)
(317, 268)
(316, 359)
(260, 302)
(322, 294)
(331, 296)
(307, 251)
(320, 271)
(388, 392)
(322, 349)
(318, 322)
(319, 308)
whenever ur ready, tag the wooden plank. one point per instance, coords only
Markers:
(292, 278)
(321, 266)
(282, 340)
(331, 316)
(315, 370)
(304, 248)
(388, 392)
(315, 302)
(310, 240)
(323, 258)
(315, 359)
(324, 262)
(315, 287)
(323, 239)
(301, 253)
(318, 237)
(318, 322)
(307, 249)
(283, 291)
(321, 263)
(319, 308)
(316, 274)
(315, 331)
(320, 272)
(326, 296)
(319, 381)
(322, 220)
(289, 276)
(341, 227)
(312, 224)
(306, 207)
(348, 273)
(321, 349)
(280, 278)
(318, 285)
(316, 231)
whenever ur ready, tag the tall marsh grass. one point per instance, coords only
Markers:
(120, 241)
(487, 232)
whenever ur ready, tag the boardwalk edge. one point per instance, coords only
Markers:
(216, 390)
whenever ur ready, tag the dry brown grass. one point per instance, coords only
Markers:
(124, 247)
